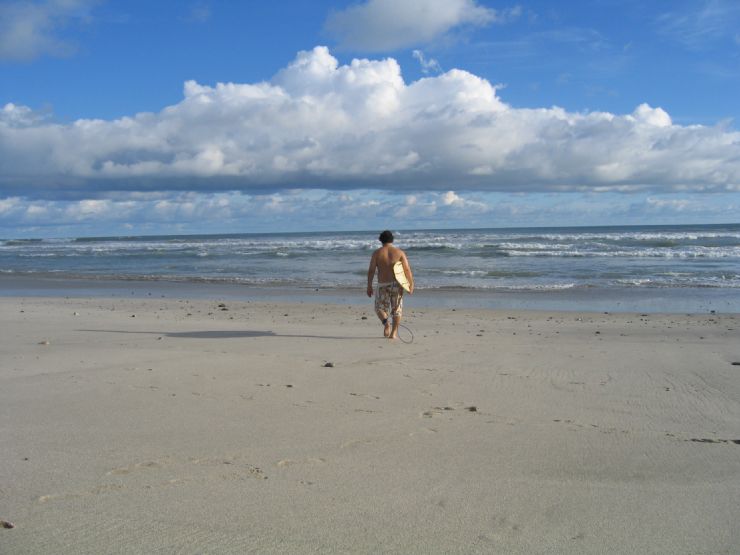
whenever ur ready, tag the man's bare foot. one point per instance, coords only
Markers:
(394, 336)
(387, 329)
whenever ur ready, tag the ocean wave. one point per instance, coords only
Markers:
(477, 273)
(662, 282)
(691, 252)
(19, 242)
(499, 287)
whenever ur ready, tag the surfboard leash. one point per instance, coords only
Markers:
(405, 327)
(411, 333)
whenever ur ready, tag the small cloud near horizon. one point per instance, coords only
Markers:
(316, 210)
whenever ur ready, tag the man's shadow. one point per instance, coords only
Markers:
(224, 334)
(214, 334)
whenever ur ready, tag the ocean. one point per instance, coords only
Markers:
(700, 261)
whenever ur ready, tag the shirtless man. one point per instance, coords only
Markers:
(389, 298)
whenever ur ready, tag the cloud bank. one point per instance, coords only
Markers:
(301, 210)
(319, 124)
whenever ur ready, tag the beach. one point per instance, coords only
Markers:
(198, 201)
(195, 425)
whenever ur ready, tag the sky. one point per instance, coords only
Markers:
(136, 117)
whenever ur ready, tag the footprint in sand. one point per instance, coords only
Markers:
(99, 490)
(574, 426)
(437, 411)
(292, 462)
(57, 496)
(424, 430)
(106, 488)
(240, 469)
(368, 395)
(131, 468)
(355, 443)
(509, 421)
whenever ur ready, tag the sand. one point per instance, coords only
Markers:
(165, 426)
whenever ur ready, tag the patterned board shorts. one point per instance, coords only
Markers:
(389, 299)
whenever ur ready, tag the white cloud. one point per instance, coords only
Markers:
(387, 25)
(9, 205)
(652, 116)
(200, 12)
(701, 23)
(427, 64)
(677, 205)
(319, 124)
(18, 116)
(452, 199)
(30, 29)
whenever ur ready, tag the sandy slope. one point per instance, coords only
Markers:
(162, 426)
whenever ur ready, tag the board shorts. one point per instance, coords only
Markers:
(389, 299)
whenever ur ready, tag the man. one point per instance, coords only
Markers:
(389, 297)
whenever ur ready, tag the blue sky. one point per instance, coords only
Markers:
(175, 117)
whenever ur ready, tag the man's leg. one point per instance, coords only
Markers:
(396, 307)
(386, 321)
(382, 310)
(394, 329)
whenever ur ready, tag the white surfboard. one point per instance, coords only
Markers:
(401, 278)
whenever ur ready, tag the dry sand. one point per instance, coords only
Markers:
(163, 426)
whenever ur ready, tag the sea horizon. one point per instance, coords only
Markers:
(373, 232)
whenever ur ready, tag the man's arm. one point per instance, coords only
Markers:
(407, 271)
(371, 273)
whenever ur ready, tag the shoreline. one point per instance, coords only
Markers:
(588, 299)
(145, 424)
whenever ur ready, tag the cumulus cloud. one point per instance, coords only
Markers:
(452, 199)
(387, 25)
(30, 29)
(319, 124)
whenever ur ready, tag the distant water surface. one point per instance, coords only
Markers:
(525, 259)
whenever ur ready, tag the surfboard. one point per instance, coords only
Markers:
(401, 276)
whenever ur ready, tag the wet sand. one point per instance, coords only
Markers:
(151, 425)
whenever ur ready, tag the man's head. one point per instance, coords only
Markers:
(386, 237)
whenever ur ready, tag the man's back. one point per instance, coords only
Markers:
(385, 257)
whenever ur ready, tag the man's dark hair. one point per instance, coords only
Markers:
(386, 237)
